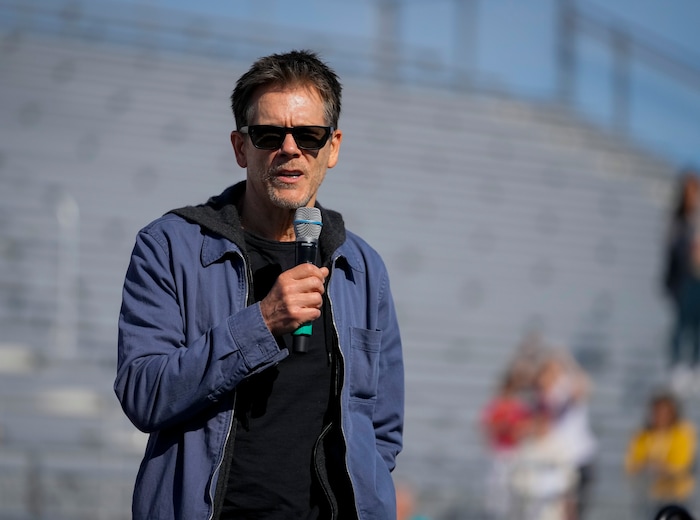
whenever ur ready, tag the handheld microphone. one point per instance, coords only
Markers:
(307, 227)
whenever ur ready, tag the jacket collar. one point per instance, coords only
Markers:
(219, 216)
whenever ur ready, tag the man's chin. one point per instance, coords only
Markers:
(288, 198)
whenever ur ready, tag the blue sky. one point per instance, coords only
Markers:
(515, 48)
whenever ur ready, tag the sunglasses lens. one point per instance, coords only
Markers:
(311, 137)
(267, 137)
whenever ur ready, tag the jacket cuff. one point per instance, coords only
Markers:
(253, 339)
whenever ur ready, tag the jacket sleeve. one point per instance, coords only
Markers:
(162, 378)
(389, 410)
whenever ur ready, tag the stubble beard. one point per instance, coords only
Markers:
(276, 188)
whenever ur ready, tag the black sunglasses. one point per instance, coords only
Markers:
(269, 137)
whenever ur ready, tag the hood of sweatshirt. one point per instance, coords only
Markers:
(220, 215)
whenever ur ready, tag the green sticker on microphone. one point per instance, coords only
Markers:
(304, 330)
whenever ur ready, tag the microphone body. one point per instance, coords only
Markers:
(307, 227)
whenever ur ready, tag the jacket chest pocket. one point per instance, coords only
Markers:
(364, 363)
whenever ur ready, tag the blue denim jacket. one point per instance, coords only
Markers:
(188, 335)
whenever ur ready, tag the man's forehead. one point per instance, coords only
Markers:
(302, 88)
(281, 99)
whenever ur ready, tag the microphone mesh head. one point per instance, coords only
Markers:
(307, 223)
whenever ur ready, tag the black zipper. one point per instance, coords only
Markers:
(227, 457)
(321, 476)
(224, 465)
(338, 363)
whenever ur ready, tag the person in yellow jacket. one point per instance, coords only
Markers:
(663, 452)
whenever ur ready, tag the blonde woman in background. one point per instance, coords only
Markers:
(563, 390)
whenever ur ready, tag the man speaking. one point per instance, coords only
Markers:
(242, 427)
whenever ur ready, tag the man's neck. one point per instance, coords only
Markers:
(270, 223)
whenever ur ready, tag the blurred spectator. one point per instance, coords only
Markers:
(681, 279)
(563, 390)
(406, 503)
(540, 440)
(543, 474)
(502, 422)
(661, 455)
(526, 362)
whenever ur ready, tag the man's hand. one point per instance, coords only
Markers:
(295, 299)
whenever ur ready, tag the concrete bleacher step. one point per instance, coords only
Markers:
(67, 484)
(59, 407)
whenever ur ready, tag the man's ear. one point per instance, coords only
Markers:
(336, 139)
(238, 143)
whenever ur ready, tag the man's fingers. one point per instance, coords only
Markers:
(295, 298)
(302, 271)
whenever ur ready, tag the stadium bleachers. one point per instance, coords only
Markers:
(494, 215)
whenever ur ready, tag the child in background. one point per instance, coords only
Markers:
(502, 422)
(662, 454)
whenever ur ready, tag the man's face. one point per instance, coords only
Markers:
(288, 177)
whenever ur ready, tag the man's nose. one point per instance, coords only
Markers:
(289, 145)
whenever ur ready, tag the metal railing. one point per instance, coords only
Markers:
(385, 56)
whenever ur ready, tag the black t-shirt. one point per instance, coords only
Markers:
(279, 414)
